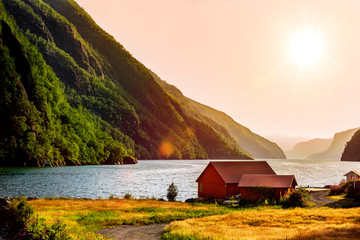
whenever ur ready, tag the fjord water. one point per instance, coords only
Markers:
(149, 178)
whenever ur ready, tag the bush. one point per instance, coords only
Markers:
(34, 227)
(128, 196)
(351, 191)
(338, 189)
(346, 188)
(172, 192)
(38, 230)
(23, 211)
(296, 198)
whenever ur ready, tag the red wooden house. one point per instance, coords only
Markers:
(280, 183)
(350, 176)
(221, 179)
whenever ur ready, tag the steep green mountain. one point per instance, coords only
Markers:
(352, 148)
(71, 94)
(233, 132)
(37, 123)
(304, 149)
(337, 146)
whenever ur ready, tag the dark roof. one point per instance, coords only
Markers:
(355, 172)
(264, 180)
(231, 172)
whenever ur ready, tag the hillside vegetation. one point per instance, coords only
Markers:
(38, 124)
(73, 95)
(233, 132)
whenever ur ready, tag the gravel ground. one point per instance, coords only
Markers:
(130, 232)
(319, 198)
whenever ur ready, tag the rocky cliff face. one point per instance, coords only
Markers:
(337, 146)
(352, 149)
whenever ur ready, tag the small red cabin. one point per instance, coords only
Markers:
(280, 183)
(221, 179)
(350, 176)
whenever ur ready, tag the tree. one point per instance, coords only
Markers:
(172, 192)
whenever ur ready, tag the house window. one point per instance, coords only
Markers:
(201, 187)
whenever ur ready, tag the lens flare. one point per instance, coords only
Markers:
(165, 149)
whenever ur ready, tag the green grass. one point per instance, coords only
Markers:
(83, 216)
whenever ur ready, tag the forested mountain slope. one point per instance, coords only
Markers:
(71, 94)
(233, 132)
(37, 123)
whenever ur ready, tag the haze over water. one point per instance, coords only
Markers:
(149, 178)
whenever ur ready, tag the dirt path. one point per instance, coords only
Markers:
(130, 232)
(319, 198)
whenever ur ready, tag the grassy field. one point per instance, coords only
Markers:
(84, 217)
(323, 223)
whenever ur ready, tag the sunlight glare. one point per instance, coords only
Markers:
(306, 48)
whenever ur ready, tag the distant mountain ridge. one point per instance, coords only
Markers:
(303, 150)
(337, 146)
(327, 149)
(73, 95)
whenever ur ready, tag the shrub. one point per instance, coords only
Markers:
(34, 227)
(338, 189)
(113, 197)
(353, 191)
(23, 211)
(296, 198)
(38, 230)
(346, 188)
(172, 192)
(128, 196)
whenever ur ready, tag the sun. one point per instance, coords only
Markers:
(306, 48)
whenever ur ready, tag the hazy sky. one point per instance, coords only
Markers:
(237, 56)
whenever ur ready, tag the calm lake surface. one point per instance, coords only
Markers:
(149, 178)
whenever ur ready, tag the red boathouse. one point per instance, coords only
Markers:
(221, 179)
(280, 183)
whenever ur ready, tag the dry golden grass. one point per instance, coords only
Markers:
(89, 216)
(273, 224)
